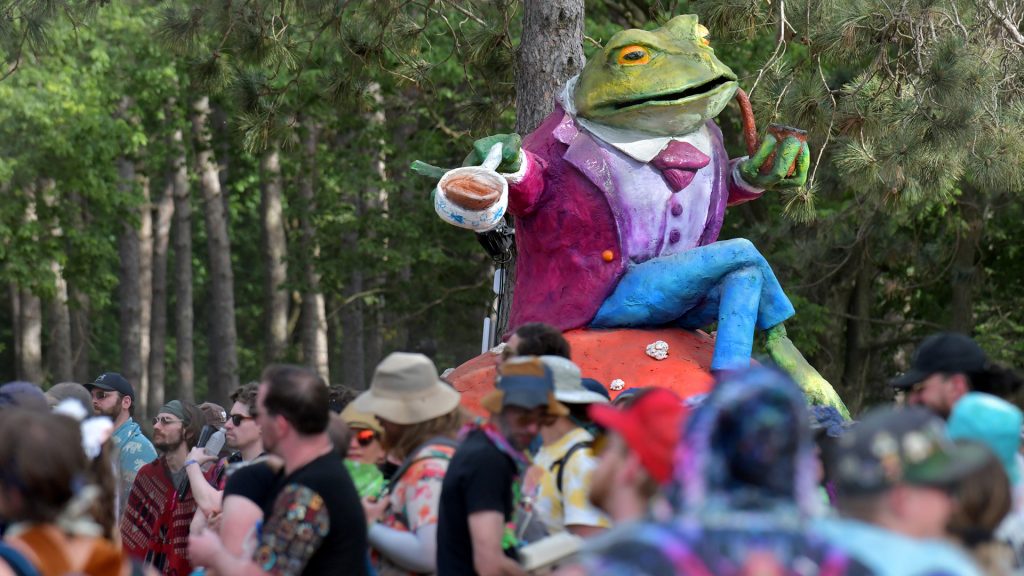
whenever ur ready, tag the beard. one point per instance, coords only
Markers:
(113, 412)
(168, 442)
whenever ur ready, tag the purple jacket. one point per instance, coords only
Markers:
(582, 218)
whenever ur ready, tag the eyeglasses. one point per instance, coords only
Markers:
(165, 421)
(365, 437)
(237, 419)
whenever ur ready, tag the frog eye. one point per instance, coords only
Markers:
(703, 35)
(633, 55)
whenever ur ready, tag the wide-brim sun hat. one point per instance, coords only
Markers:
(406, 390)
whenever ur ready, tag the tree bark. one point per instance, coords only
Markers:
(377, 202)
(353, 334)
(58, 317)
(314, 316)
(82, 372)
(550, 52)
(161, 240)
(858, 329)
(61, 365)
(275, 251)
(223, 337)
(129, 299)
(145, 293)
(964, 272)
(30, 325)
(80, 305)
(183, 313)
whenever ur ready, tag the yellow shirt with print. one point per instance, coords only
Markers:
(572, 507)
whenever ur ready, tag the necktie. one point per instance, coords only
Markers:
(679, 162)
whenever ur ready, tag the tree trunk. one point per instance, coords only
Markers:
(222, 137)
(223, 349)
(145, 293)
(275, 250)
(129, 299)
(858, 329)
(58, 316)
(377, 202)
(353, 334)
(82, 373)
(61, 365)
(183, 313)
(550, 52)
(161, 239)
(964, 272)
(314, 316)
(30, 324)
(80, 305)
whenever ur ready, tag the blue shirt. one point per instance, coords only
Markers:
(891, 554)
(134, 451)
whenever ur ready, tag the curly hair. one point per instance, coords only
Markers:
(246, 394)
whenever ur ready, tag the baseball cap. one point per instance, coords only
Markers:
(525, 382)
(892, 446)
(946, 353)
(113, 382)
(651, 427)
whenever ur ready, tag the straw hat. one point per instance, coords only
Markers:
(406, 390)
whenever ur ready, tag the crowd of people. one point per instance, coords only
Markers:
(298, 477)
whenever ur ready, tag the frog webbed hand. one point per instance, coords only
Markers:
(511, 160)
(786, 152)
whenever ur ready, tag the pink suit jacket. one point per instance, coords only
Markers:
(568, 240)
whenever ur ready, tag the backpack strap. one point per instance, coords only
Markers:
(17, 561)
(562, 462)
(411, 458)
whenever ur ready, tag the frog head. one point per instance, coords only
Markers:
(666, 82)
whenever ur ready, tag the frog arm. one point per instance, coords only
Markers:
(526, 185)
(739, 190)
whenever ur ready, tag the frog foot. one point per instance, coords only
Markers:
(818, 390)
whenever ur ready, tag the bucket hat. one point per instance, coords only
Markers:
(406, 390)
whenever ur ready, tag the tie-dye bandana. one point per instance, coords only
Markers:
(744, 486)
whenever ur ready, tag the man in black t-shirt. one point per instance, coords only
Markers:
(477, 497)
(314, 523)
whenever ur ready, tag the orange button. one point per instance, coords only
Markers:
(608, 255)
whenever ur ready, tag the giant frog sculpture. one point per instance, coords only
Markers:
(619, 196)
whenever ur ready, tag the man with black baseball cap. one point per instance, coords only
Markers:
(894, 472)
(114, 397)
(944, 368)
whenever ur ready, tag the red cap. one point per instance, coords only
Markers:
(650, 427)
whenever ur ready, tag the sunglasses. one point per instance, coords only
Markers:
(102, 394)
(237, 419)
(165, 421)
(365, 437)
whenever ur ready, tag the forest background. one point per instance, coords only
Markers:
(193, 189)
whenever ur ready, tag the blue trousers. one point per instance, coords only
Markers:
(728, 281)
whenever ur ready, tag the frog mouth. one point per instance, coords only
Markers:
(702, 89)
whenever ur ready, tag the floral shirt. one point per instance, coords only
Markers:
(134, 451)
(416, 496)
(571, 507)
